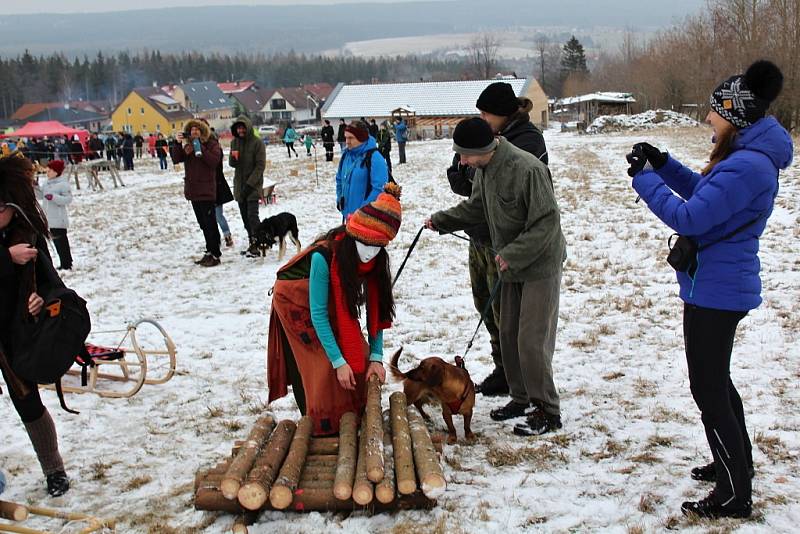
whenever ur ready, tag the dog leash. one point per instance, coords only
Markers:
(410, 249)
(486, 309)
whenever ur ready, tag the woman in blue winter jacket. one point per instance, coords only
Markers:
(723, 210)
(362, 170)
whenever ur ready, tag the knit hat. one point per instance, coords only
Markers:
(57, 165)
(498, 99)
(377, 223)
(359, 130)
(744, 99)
(473, 136)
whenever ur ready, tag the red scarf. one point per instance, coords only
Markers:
(346, 328)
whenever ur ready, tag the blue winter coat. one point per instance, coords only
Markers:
(739, 189)
(290, 135)
(401, 132)
(352, 182)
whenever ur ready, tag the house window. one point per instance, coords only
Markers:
(130, 111)
(144, 127)
(277, 103)
(142, 110)
(173, 125)
(158, 127)
(286, 114)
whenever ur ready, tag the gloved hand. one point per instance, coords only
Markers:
(656, 158)
(48, 196)
(340, 204)
(637, 160)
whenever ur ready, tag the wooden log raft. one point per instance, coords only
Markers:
(401, 444)
(255, 491)
(246, 456)
(346, 460)
(326, 446)
(385, 490)
(429, 471)
(374, 431)
(362, 487)
(280, 496)
(13, 511)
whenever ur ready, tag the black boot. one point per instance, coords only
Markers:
(537, 423)
(707, 473)
(494, 384)
(509, 411)
(712, 508)
(57, 483)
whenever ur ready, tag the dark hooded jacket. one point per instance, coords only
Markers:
(200, 173)
(248, 181)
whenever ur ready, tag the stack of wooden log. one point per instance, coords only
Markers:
(390, 464)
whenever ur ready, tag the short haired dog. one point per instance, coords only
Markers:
(435, 379)
(277, 228)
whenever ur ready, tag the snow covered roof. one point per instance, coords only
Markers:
(164, 99)
(426, 98)
(612, 98)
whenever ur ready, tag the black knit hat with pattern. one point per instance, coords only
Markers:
(498, 99)
(744, 99)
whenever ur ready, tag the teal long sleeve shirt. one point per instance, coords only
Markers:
(319, 283)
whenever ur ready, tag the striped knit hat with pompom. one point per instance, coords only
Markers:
(377, 223)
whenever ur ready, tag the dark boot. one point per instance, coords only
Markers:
(509, 411)
(708, 473)
(712, 508)
(494, 384)
(57, 484)
(537, 423)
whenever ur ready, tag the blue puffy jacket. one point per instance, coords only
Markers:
(739, 189)
(401, 132)
(352, 182)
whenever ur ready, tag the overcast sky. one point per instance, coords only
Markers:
(82, 6)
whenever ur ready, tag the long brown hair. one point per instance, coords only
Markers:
(723, 147)
(16, 187)
(354, 289)
(525, 105)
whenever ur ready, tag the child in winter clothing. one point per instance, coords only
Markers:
(308, 141)
(57, 196)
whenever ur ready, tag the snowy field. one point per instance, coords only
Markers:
(631, 430)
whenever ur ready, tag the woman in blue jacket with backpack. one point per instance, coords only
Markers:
(722, 211)
(362, 170)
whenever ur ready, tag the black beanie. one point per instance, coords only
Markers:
(498, 99)
(473, 136)
(744, 99)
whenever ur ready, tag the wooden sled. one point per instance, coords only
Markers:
(19, 513)
(125, 367)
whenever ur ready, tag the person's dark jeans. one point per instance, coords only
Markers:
(162, 162)
(401, 151)
(708, 336)
(328, 151)
(61, 242)
(249, 211)
(206, 218)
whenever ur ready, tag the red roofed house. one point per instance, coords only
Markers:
(231, 88)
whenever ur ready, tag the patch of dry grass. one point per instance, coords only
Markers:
(137, 482)
(773, 447)
(648, 503)
(540, 457)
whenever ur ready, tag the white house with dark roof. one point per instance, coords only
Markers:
(205, 100)
(434, 108)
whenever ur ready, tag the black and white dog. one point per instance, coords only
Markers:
(277, 227)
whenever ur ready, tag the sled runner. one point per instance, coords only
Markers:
(118, 371)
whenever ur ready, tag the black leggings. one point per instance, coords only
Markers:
(30, 408)
(205, 212)
(290, 149)
(708, 335)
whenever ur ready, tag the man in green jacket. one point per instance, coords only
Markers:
(513, 191)
(248, 156)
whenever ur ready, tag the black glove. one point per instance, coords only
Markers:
(637, 160)
(340, 204)
(656, 158)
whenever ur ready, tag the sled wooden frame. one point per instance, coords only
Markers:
(131, 370)
(93, 524)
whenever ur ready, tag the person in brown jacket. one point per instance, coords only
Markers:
(200, 153)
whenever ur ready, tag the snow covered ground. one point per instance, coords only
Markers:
(631, 431)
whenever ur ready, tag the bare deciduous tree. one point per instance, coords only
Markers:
(482, 58)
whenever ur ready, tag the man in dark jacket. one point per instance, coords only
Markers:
(327, 140)
(200, 182)
(248, 156)
(127, 152)
(138, 142)
(340, 135)
(373, 129)
(95, 147)
(508, 116)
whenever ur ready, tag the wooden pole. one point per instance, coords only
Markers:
(280, 496)
(246, 456)
(239, 525)
(13, 511)
(346, 461)
(326, 446)
(401, 444)
(385, 490)
(255, 491)
(362, 487)
(429, 471)
(374, 431)
(212, 499)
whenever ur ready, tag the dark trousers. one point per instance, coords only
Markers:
(401, 151)
(162, 162)
(483, 277)
(207, 219)
(30, 408)
(61, 241)
(290, 149)
(387, 155)
(249, 211)
(328, 151)
(708, 337)
(138, 152)
(128, 161)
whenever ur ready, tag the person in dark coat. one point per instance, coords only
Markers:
(127, 152)
(723, 210)
(327, 140)
(138, 143)
(76, 150)
(23, 225)
(249, 157)
(95, 147)
(508, 116)
(340, 135)
(162, 150)
(200, 182)
(373, 129)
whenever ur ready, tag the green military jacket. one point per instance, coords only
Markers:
(248, 181)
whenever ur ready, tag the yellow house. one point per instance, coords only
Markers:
(149, 110)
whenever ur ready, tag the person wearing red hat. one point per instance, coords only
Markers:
(57, 196)
(362, 170)
(315, 340)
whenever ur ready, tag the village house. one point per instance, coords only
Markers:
(205, 100)
(586, 108)
(432, 109)
(149, 110)
(297, 104)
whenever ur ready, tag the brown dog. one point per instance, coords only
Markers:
(435, 379)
